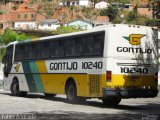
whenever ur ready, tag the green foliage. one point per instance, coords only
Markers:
(2, 53)
(21, 37)
(132, 15)
(1, 12)
(155, 5)
(152, 22)
(10, 36)
(32, 1)
(67, 29)
(110, 12)
(119, 1)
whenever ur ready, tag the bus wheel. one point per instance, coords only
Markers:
(71, 93)
(48, 95)
(15, 89)
(111, 101)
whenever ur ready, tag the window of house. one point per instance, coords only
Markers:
(19, 16)
(25, 16)
(32, 15)
(1, 26)
(77, 3)
(49, 24)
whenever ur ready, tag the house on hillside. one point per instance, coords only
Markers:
(82, 24)
(102, 5)
(101, 20)
(145, 11)
(49, 24)
(75, 3)
(123, 6)
(5, 21)
(26, 17)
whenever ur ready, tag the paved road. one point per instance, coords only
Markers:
(58, 109)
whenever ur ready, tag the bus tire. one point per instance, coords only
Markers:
(15, 89)
(111, 101)
(48, 95)
(71, 93)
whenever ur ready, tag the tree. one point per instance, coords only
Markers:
(1, 12)
(152, 22)
(48, 6)
(155, 6)
(132, 15)
(110, 12)
(10, 36)
(67, 29)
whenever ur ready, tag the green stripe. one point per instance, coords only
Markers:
(36, 77)
(29, 77)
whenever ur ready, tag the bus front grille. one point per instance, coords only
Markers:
(94, 85)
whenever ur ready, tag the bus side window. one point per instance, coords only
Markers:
(69, 47)
(98, 44)
(45, 51)
(27, 51)
(89, 45)
(33, 54)
(21, 50)
(39, 49)
(54, 46)
(17, 53)
(60, 50)
(78, 49)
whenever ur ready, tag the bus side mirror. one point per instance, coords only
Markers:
(4, 59)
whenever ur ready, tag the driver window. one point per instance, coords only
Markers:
(9, 54)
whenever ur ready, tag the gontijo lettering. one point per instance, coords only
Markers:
(64, 66)
(74, 65)
(134, 50)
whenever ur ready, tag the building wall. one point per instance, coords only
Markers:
(145, 11)
(78, 2)
(79, 23)
(25, 25)
(101, 5)
(23, 16)
(84, 2)
(48, 27)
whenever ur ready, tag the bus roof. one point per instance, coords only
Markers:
(95, 29)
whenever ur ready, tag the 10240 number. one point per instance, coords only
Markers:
(134, 70)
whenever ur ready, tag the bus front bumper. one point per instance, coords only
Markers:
(130, 92)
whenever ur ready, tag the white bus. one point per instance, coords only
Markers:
(110, 63)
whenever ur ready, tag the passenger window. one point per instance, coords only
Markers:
(89, 45)
(98, 44)
(54, 46)
(74, 47)
(39, 49)
(94, 44)
(79, 43)
(60, 50)
(70, 45)
(45, 51)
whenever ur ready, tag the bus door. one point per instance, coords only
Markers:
(7, 60)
